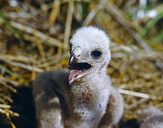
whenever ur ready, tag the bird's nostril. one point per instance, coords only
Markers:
(78, 55)
(77, 51)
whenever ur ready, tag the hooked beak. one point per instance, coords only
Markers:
(77, 67)
(75, 56)
(72, 60)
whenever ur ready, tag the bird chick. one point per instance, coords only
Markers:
(82, 97)
(151, 118)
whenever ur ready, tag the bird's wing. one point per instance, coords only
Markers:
(114, 109)
(50, 91)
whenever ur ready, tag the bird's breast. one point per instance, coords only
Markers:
(89, 102)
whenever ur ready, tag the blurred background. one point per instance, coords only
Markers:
(34, 37)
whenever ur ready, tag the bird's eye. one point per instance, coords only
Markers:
(96, 54)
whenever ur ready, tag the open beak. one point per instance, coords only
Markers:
(77, 67)
(72, 61)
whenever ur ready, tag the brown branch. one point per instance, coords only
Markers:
(46, 39)
(54, 13)
(93, 12)
(68, 23)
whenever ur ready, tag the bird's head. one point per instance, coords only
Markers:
(89, 53)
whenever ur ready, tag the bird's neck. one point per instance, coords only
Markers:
(88, 93)
(91, 83)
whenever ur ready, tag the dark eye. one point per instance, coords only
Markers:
(96, 54)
